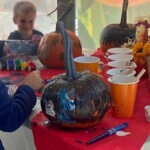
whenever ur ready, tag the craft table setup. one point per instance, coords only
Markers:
(47, 136)
(87, 98)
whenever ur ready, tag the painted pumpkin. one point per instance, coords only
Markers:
(115, 35)
(51, 51)
(75, 99)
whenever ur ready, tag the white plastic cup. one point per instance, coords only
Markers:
(121, 64)
(120, 71)
(120, 57)
(119, 50)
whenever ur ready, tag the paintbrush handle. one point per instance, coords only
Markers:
(140, 74)
(131, 61)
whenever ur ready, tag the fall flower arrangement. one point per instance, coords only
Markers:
(137, 51)
(141, 51)
(141, 47)
(146, 49)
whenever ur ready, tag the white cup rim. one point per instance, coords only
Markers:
(87, 59)
(119, 50)
(122, 77)
(110, 71)
(114, 64)
(120, 57)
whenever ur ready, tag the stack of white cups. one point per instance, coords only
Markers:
(120, 62)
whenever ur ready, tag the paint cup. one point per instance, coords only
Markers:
(147, 113)
(32, 66)
(90, 63)
(3, 64)
(120, 57)
(119, 50)
(24, 66)
(11, 65)
(123, 90)
(18, 64)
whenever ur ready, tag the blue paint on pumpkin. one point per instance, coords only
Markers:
(67, 105)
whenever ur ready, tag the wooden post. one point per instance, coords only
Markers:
(69, 21)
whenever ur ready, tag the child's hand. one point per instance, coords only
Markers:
(34, 80)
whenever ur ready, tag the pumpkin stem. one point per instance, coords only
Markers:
(70, 7)
(123, 22)
(71, 73)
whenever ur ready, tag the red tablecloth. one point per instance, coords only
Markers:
(54, 138)
(13, 76)
(99, 53)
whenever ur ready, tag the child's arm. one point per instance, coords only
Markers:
(14, 111)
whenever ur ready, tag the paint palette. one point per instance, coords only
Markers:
(19, 55)
(17, 64)
(17, 48)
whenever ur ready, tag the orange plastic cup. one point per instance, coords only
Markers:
(90, 63)
(123, 90)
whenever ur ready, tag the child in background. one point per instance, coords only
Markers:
(15, 110)
(24, 15)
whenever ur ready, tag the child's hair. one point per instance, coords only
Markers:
(23, 7)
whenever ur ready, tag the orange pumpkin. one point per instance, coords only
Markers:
(51, 49)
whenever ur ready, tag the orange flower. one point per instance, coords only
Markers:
(137, 51)
(146, 49)
(137, 48)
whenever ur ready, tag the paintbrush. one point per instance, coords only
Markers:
(131, 61)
